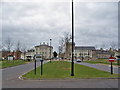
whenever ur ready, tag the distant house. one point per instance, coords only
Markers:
(116, 53)
(10, 56)
(44, 50)
(5, 54)
(84, 52)
(103, 54)
(28, 55)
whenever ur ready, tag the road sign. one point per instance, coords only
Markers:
(111, 59)
(38, 57)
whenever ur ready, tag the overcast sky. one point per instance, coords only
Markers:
(33, 22)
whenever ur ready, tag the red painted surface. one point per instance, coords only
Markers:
(111, 59)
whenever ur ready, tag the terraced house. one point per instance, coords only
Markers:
(84, 52)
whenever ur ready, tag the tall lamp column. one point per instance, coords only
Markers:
(72, 63)
(50, 50)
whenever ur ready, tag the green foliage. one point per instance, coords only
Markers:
(55, 54)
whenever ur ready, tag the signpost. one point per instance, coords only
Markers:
(111, 59)
(38, 57)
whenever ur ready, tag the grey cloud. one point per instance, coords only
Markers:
(33, 23)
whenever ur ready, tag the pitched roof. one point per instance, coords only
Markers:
(85, 48)
(43, 45)
(102, 52)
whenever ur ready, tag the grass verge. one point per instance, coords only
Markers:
(61, 69)
(101, 61)
(8, 63)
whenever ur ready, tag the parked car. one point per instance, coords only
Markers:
(21, 59)
(78, 60)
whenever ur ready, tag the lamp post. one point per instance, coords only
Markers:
(72, 63)
(50, 50)
(59, 53)
(88, 54)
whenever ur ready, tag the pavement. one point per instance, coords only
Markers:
(11, 80)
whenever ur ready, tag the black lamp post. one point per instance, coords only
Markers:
(72, 64)
(59, 53)
(88, 54)
(50, 50)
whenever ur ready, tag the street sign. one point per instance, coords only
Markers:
(111, 59)
(38, 57)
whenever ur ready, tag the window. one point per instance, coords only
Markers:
(36, 49)
(99, 57)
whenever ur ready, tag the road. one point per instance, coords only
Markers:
(11, 80)
(101, 67)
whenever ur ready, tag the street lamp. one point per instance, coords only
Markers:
(88, 54)
(59, 53)
(72, 63)
(50, 50)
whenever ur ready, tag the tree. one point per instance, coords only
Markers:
(8, 44)
(64, 42)
(103, 46)
(24, 49)
(55, 54)
(67, 38)
(18, 48)
(113, 45)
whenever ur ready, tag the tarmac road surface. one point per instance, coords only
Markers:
(11, 80)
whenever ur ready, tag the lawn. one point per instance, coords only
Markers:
(8, 63)
(61, 69)
(101, 61)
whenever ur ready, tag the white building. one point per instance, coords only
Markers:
(28, 55)
(44, 50)
(84, 51)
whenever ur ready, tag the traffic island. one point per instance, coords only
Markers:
(57, 70)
